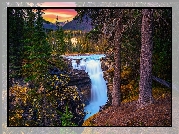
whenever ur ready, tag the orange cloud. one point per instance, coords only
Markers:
(63, 14)
(50, 17)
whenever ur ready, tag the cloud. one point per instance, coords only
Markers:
(67, 11)
(52, 18)
(63, 14)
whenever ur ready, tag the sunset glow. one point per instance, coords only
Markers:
(63, 14)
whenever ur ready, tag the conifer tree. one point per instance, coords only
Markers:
(16, 34)
(145, 84)
(36, 48)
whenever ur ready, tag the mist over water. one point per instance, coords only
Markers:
(91, 64)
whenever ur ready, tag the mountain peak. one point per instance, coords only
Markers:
(83, 24)
(78, 24)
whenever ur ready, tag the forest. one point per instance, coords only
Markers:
(44, 84)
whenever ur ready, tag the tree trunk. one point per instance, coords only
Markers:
(116, 95)
(145, 84)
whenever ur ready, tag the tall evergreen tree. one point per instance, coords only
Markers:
(145, 84)
(36, 48)
(16, 34)
(60, 36)
(117, 50)
(111, 21)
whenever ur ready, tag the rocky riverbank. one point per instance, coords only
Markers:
(81, 80)
(108, 68)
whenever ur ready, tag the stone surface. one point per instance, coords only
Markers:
(81, 79)
(106, 66)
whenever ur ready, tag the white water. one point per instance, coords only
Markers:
(92, 65)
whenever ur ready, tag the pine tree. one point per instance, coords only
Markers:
(145, 84)
(16, 34)
(117, 70)
(36, 49)
(60, 36)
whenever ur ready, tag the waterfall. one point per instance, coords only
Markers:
(91, 64)
(98, 87)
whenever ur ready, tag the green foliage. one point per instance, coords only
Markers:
(35, 55)
(36, 49)
(131, 41)
(66, 118)
(59, 45)
(37, 108)
(15, 36)
(162, 56)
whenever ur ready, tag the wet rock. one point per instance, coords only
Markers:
(107, 66)
(81, 79)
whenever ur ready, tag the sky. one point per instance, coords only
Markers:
(63, 14)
